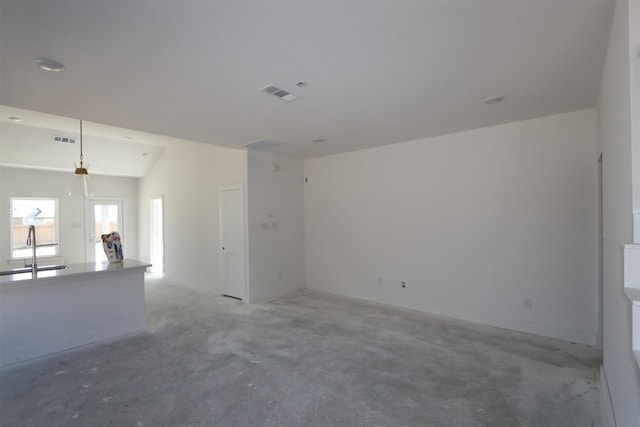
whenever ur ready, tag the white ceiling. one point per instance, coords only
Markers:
(107, 150)
(379, 72)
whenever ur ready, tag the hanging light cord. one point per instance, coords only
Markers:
(80, 143)
(81, 170)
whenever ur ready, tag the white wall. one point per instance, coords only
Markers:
(276, 225)
(614, 138)
(15, 182)
(634, 92)
(188, 175)
(473, 222)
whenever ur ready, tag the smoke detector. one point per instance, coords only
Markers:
(280, 93)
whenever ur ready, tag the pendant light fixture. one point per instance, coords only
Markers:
(80, 180)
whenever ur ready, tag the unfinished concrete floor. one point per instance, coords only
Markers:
(307, 359)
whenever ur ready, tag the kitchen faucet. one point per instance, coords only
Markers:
(31, 241)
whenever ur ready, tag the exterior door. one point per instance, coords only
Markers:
(104, 216)
(232, 248)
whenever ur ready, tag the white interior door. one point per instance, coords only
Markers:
(104, 216)
(232, 248)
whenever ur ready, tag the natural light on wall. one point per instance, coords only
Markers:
(43, 213)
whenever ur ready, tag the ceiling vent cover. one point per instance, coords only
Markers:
(67, 139)
(261, 144)
(279, 93)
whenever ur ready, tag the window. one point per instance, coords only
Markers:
(43, 213)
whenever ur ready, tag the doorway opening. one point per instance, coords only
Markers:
(156, 234)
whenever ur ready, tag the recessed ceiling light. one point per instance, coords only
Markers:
(128, 138)
(302, 84)
(15, 119)
(49, 64)
(318, 140)
(493, 99)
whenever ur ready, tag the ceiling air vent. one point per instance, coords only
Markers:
(279, 93)
(261, 144)
(67, 139)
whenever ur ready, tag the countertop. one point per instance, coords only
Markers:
(75, 270)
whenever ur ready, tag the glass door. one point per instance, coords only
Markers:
(105, 216)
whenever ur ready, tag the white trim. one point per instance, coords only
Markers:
(631, 266)
(634, 296)
(155, 268)
(607, 410)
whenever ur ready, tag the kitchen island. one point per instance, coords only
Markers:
(61, 309)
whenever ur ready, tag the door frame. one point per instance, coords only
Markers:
(601, 237)
(245, 242)
(90, 221)
(154, 268)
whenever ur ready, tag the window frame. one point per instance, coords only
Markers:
(56, 220)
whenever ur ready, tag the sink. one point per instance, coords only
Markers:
(52, 267)
(28, 269)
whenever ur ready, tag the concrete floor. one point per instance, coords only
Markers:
(307, 359)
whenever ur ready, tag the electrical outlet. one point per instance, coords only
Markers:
(403, 285)
(527, 303)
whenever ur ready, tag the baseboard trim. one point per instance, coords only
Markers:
(497, 321)
(610, 418)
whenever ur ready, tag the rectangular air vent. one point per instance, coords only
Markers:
(261, 144)
(279, 93)
(67, 139)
